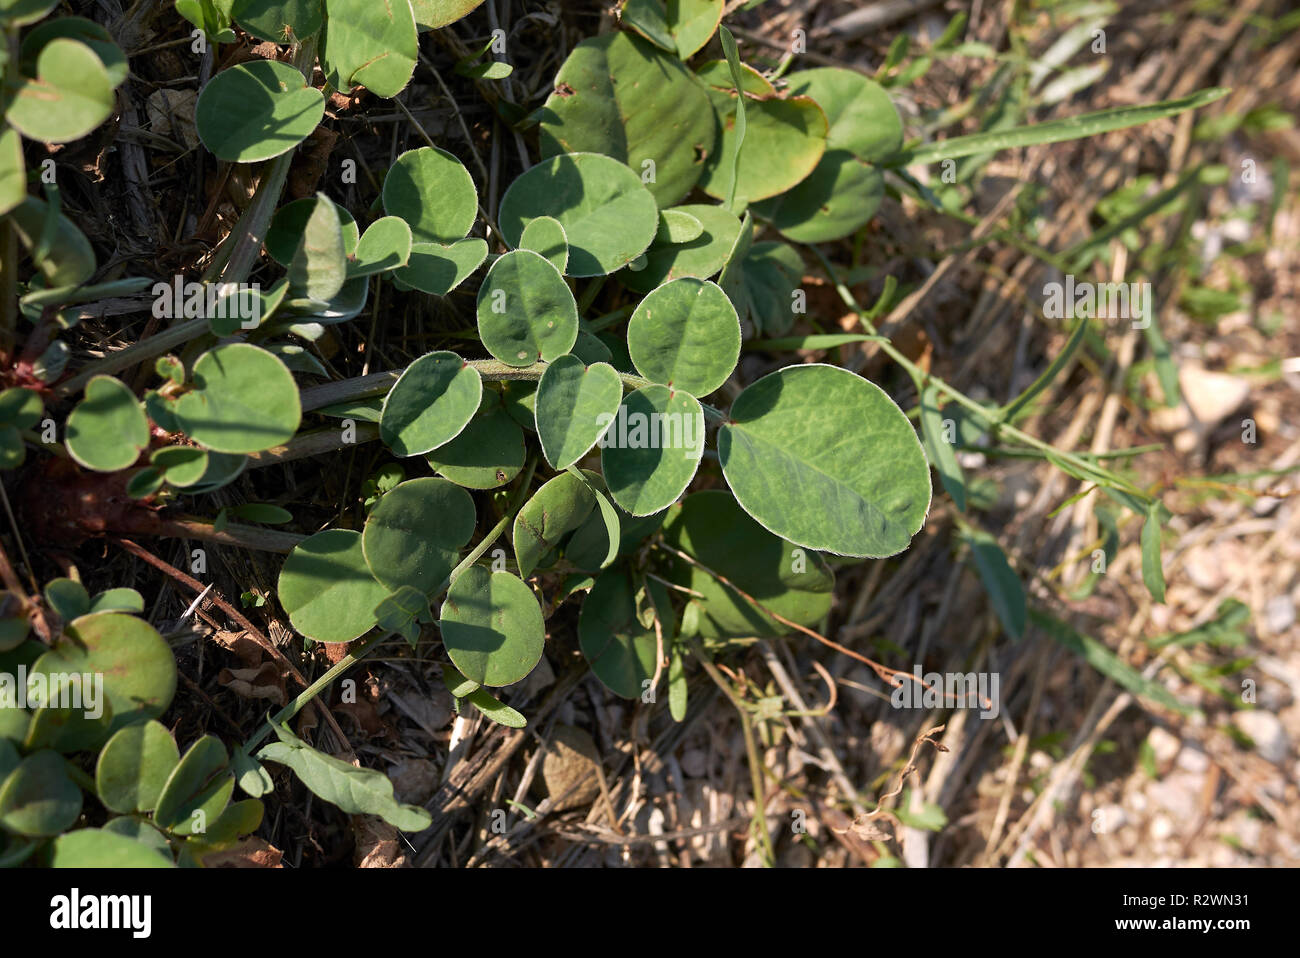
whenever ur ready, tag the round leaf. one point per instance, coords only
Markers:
(137, 667)
(556, 509)
(200, 782)
(685, 334)
(437, 269)
(574, 406)
(414, 535)
(488, 453)
(861, 117)
(652, 448)
(386, 245)
(76, 28)
(374, 45)
(825, 459)
(279, 21)
(20, 13)
(244, 400)
(431, 14)
(256, 110)
(70, 96)
(290, 222)
(784, 140)
(842, 194)
(429, 405)
(108, 428)
(545, 236)
(181, 465)
(434, 193)
(69, 259)
(492, 627)
(526, 311)
(327, 588)
(619, 95)
(38, 798)
(712, 528)
(609, 217)
(134, 766)
(700, 257)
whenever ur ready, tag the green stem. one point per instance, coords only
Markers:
(492, 370)
(245, 240)
(299, 702)
(157, 344)
(751, 749)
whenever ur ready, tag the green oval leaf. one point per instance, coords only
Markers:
(373, 45)
(556, 509)
(434, 193)
(686, 335)
(137, 666)
(488, 453)
(545, 236)
(430, 404)
(68, 258)
(652, 448)
(181, 466)
(770, 275)
(386, 245)
(244, 400)
(319, 266)
(108, 429)
(68, 598)
(279, 21)
(414, 535)
(609, 217)
(134, 766)
(572, 400)
(783, 141)
(256, 110)
(290, 222)
(702, 256)
(492, 627)
(437, 269)
(842, 194)
(76, 28)
(197, 790)
(825, 459)
(526, 311)
(70, 95)
(431, 14)
(327, 588)
(38, 799)
(618, 95)
(20, 13)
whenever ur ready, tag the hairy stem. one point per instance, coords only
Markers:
(492, 370)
